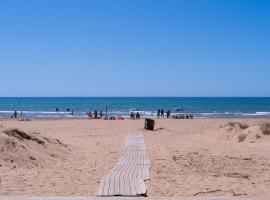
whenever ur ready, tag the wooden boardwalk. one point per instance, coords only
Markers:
(124, 198)
(127, 178)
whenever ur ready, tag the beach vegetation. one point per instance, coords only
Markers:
(16, 133)
(174, 158)
(258, 136)
(237, 124)
(242, 137)
(265, 128)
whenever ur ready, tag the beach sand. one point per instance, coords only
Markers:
(198, 157)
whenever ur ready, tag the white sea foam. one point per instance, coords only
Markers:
(263, 113)
(44, 112)
(4, 111)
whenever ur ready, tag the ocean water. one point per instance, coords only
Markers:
(207, 107)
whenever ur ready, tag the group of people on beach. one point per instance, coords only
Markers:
(95, 115)
(183, 116)
(100, 115)
(15, 115)
(161, 114)
(135, 116)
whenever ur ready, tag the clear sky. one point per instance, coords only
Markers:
(134, 48)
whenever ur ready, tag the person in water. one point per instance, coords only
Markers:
(95, 114)
(72, 112)
(68, 109)
(56, 109)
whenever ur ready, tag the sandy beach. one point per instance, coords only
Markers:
(199, 157)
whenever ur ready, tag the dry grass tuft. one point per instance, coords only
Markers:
(237, 124)
(16, 133)
(265, 128)
(242, 137)
(258, 136)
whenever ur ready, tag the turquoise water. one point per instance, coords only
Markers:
(200, 107)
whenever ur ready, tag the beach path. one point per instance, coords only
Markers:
(127, 178)
(124, 198)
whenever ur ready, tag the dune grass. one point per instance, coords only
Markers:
(265, 128)
(238, 124)
(242, 137)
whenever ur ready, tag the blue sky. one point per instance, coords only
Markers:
(135, 48)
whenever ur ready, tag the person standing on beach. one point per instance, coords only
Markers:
(15, 114)
(158, 113)
(162, 113)
(168, 114)
(101, 114)
(89, 114)
(132, 115)
(95, 114)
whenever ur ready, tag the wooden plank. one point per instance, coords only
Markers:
(120, 198)
(127, 178)
(141, 187)
(105, 184)
(125, 188)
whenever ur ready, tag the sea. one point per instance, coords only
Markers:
(199, 107)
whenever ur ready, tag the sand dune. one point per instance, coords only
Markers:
(29, 150)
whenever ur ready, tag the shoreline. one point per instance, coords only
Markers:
(265, 115)
(129, 119)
